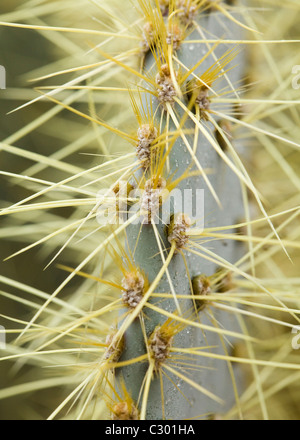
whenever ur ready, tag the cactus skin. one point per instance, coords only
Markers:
(147, 257)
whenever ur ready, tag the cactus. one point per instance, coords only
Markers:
(221, 208)
(163, 304)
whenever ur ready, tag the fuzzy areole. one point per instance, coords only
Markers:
(146, 136)
(133, 284)
(125, 411)
(160, 343)
(166, 89)
(177, 230)
(152, 197)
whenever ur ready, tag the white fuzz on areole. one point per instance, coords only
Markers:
(146, 136)
(114, 351)
(133, 284)
(152, 198)
(159, 346)
(174, 36)
(166, 90)
(177, 231)
(187, 11)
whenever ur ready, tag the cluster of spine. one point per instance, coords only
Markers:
(177, 230)
(147, 134)
(166, 89)
(133, 285)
